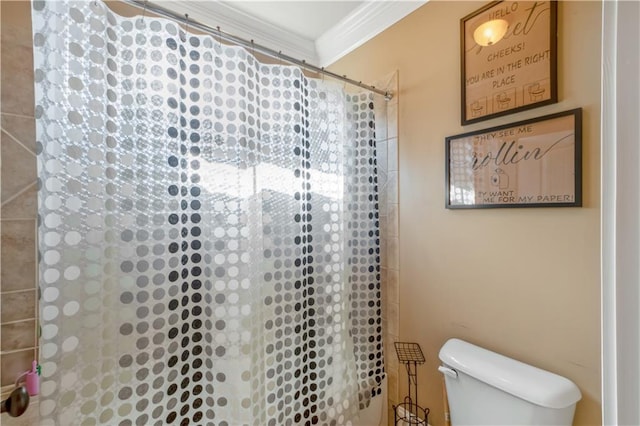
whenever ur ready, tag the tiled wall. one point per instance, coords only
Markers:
(18, 273)
(387, 150)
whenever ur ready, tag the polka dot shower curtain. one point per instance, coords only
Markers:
(208, 234)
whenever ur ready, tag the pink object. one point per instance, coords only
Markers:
(31, 380)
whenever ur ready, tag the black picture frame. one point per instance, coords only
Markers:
(468, 174)
(521, 92)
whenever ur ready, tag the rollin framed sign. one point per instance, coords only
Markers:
(531, 163)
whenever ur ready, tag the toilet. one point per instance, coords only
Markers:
(486, 388)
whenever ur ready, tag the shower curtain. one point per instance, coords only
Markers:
(208, 230)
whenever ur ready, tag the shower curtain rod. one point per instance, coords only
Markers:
(250, 44)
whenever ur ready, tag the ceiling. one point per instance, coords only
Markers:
(308, 19)
(318, 31)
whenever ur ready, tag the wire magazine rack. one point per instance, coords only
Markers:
(409, 412)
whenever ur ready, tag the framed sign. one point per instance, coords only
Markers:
(532, 163)
(508, 58)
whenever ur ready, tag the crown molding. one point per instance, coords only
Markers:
(364, 23)
(241, 24)
(361, 25)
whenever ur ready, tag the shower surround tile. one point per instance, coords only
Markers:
(393, 220)
(23, 205)
(393, 286)
(18, 195)
(18, 335)
(381, 129)
(387, 159)
(393, 253)
(383, 221)
(18, 167)
(18, 305)
(18, 257)
(16, 57)
(381, 148)
(393, 318)
(392, 188)
(392, 119)
(382, 198)
(21, 128)
(392, 152)
(380, 109)
(393, 364)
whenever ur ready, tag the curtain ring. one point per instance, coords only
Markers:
(144, 10)
(253, 49)
(281, 62)
(186, 29)
(219, 37)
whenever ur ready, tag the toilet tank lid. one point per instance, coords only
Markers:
(530, 383)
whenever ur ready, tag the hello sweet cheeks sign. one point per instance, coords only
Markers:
(532, 163)
(517, 71)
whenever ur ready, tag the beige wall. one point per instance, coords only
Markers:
(523, 282)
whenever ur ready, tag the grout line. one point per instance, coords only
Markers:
(6, 388)
(19, 193)
(13, 351)
(17, 291)
(18, 142)
(11, 114)
(18, 321)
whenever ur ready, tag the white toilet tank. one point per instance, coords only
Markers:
(486, 388)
